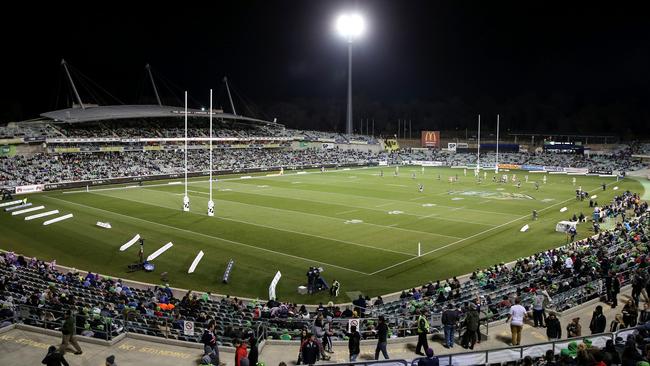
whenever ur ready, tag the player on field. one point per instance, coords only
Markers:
(536, 186)
(420, 187)
(381, 173)
(413, 175)
(544, 179)
(574, 181)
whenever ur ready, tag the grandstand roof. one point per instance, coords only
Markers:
(114, 112)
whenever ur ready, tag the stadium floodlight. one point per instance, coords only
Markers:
(350, 27)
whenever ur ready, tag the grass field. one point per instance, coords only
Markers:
(291, 222)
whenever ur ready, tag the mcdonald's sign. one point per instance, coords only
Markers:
(430, 138)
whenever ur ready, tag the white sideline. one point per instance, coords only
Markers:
(130, 242)
(38, 216)
(31, 209)
(209, 236)
(195, 262)
(160, 251)
(57, 219)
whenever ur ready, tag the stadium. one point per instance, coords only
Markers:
(188, 233)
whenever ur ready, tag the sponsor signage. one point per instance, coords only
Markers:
(509, 166)
(30, 188)
(430, 138)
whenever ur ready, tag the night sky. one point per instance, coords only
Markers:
(567, 66)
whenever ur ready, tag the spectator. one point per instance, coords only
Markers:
(553, 327)
(598, 321)
(354, 343)
(382, 338)
(54, 358)
(429, 360)
(574, 329)
(517, 316)
(68, 332)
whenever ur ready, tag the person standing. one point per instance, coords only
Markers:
(538, 308)
(382, 338)
(68, 332)
(616, 289)
(598, 321)
(471, 326)
(516, 317)
(449, 321)
(423, 331)
(553, 327)
(630, 314)
(354, 343)
(309, 350)
(334, 290)
(574, 329)
(54, 358)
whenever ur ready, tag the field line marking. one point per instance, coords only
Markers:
(206, 235)
(197, 181)
(347, 212)
(444, 218)
(417, 198)
(469, 237)
(386, 199)
(324, 216)
(264, 226)
(384, 204)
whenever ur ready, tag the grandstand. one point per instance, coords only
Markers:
(288, 199)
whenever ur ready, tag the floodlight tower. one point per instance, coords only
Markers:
(350, 27)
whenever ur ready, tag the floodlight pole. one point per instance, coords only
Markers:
(478, 151)
(74, 88)
(496, 165)
(186, 199)
(349, 113)
(211, 202)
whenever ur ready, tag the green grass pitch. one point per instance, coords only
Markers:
(362, 228)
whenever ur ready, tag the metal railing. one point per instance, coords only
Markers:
(99, 327)
(511, 354)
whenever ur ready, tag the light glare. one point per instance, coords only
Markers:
(350, 26)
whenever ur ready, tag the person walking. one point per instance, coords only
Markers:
(553, 327)
(54, 358)
(354, 343)
(598, 321)
(449, 320)
(68, 332)
(516, 317)
(423, 331)
(382, 338)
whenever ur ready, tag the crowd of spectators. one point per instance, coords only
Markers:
(616, 162)
(64, 167)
